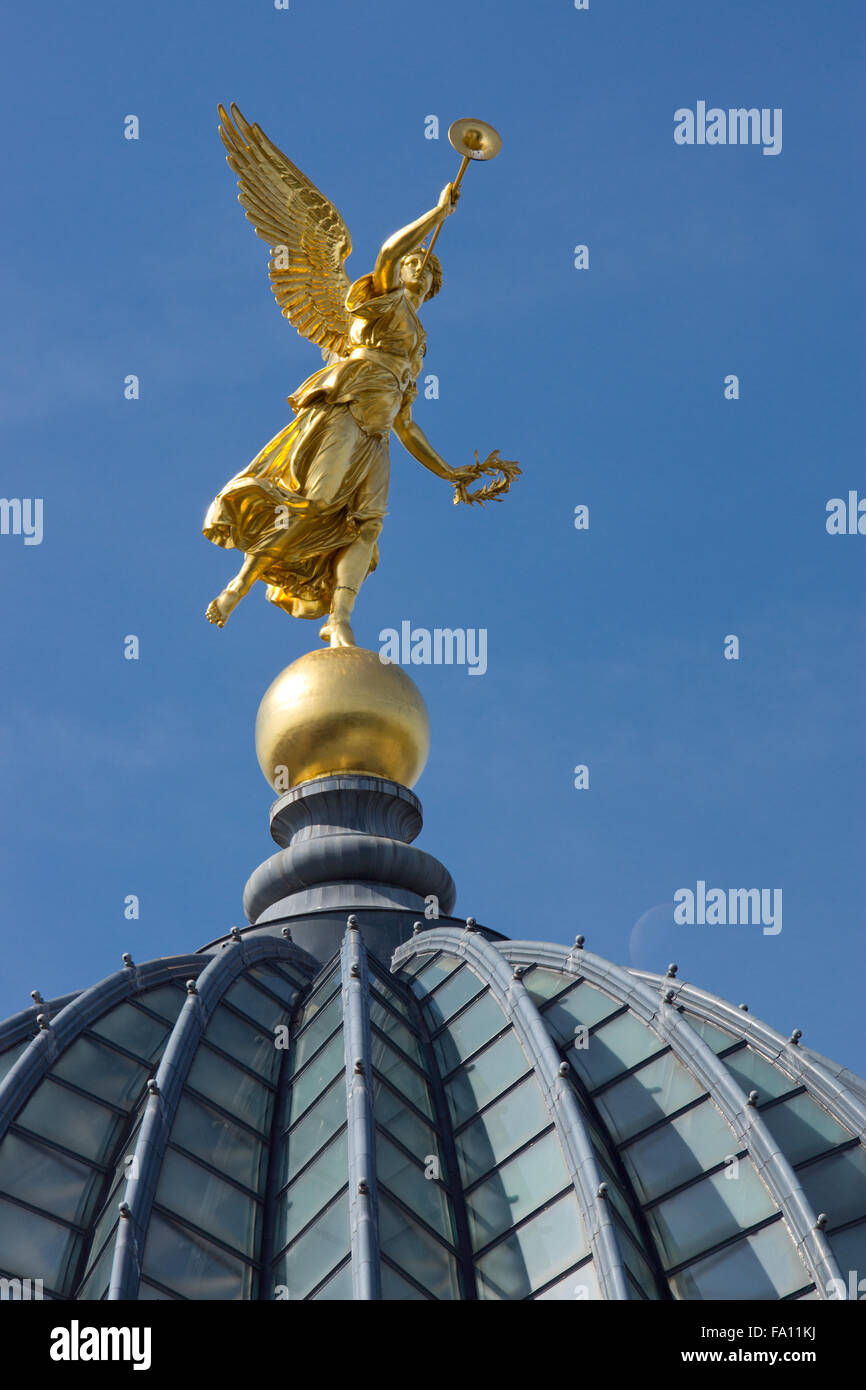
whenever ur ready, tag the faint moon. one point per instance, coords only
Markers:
(655, 939)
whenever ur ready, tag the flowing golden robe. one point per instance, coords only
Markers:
(303, 499)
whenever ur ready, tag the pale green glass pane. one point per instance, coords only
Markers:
(380, 990)
(318, 1074)
(406, 1180)
(524, 1261)
(190, 1191)
(715, 1038)
(108, 1212)
(432, 973)
(320, 1124)
(222, 1082)
(410, 1247)
(321, 1027)
(516, 1189)
(104, 1073)
(260, 1007)
(133, 1029)
(398, 1034)
(635, 1262)
(803, 1128)
(402, 1123)
(837, 1186)
(10, 1057)
(680, 1150)
(245, 1042)
(599, 1138)
(635, 1292)
(762, 1267)
(849, 1247)
(400, 1074)
(580, 1286)
(149, 1293)
(320, 998)
(542, 984)
(71, 1120)
(211, 1136)
(583, 1006)
(338, 1289)
(396, 1289)
(456, 992)
(34, 1247)
(309, 1193)
(754, 1073)
(616, 1046)
(60, 1186)
(284, 987)
(485, 1077)
(413, 965)
(192, 1266)
(647, 1096)
(108, 1219)
(393, 1028)
(165, 1000)
(508, 1124)
(469, 1031)
(708, 1213)
(304, 1266)
(97, 1281)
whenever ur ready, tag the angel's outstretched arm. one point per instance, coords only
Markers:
(415, 441)
(386, 272)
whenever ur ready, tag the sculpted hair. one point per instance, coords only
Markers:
(436, 266)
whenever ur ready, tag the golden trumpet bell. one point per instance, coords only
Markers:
(475, 139)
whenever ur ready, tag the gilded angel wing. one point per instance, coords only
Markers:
(308, 238)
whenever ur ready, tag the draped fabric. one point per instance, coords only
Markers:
(303, 498)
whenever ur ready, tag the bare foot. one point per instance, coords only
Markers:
(224, 604)
(337, 633)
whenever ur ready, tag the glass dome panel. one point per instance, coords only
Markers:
(534, 1254)
(680, 1150)
(312, 1258)
(504, 1126)
(651, 1094)
(415, 1251)
(765, 1265)
(709, 1212)
(492, 1071)
(520, 1186)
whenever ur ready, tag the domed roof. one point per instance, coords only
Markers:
(475, 1118)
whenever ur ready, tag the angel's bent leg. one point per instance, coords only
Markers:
(225, 602)
(349, 575)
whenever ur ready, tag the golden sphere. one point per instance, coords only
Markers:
(341, 709)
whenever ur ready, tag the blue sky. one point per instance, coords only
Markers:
(605, 647)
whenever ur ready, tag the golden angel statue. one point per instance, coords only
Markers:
(308, 510)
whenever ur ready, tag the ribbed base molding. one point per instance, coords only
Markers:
(346, 843)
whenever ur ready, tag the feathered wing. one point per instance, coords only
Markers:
(308, 238)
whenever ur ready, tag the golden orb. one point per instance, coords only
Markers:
(341, 709)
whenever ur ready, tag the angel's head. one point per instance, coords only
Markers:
(425, 283)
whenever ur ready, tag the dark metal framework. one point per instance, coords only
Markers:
(488, 1119)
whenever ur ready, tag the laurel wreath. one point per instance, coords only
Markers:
(502, 473)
